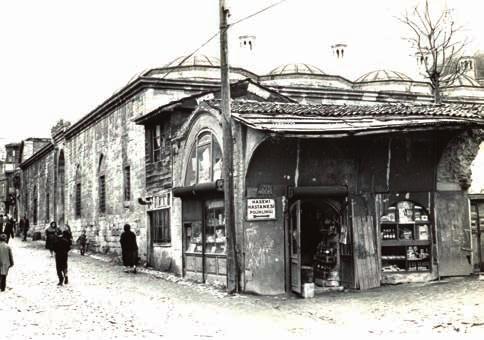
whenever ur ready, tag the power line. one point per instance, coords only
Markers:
(218, 32)
(257, 13)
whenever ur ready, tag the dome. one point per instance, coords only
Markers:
(296, 68)
(382, 75)
(194, 60)
(460, 80)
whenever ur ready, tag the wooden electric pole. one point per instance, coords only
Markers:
(232, 268)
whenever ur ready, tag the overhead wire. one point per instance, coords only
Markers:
(218, 32)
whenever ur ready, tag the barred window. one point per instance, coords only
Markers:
(160, 225)
(78, 200)
(127, 183)
(47, 207)
(35, 205)
(102, 194)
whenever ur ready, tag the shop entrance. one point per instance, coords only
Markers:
(320, 244)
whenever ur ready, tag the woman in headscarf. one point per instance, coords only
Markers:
(50, 236)
(129, 249)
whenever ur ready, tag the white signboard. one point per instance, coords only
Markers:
(261, 209)
(160, 201)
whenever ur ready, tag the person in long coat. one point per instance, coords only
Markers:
(24, 226)
(50, 236)
(62, 245)
(9, 228)
(6, 261)
(129, 249)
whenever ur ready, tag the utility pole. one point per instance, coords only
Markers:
(232, 267)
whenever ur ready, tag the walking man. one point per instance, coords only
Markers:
(24, 226)
(6, 261)
(62, 245)
(9, 228)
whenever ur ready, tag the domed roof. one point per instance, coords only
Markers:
(380, 75)
(460, 80)
(296, 68)
(194, 60)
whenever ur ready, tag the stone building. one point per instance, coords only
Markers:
(105, 170)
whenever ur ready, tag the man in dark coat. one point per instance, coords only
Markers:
(129, 249)
(9, 228)
(62, 245)
(24, 226)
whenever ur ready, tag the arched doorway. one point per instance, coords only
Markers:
(61, 189)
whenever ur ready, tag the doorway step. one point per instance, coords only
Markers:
(321, 290)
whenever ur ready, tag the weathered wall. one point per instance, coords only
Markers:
(121, 143)
(39, 175)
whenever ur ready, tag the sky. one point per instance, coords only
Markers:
(59, 59)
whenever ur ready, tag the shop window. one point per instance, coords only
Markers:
(205, 163)
(127, 183)
(405, 238)
(211, 239)
(160, 225)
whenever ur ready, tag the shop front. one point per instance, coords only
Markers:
(203, 217)
(351, 211)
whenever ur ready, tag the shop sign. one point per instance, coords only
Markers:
(261, 209)
(160, 201)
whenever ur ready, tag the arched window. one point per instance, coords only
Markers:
(205, 163)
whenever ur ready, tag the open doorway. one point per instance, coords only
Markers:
(319, 244)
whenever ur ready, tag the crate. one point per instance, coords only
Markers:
(307, 290)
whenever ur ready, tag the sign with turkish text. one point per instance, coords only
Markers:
(261, 209)
(160, 201)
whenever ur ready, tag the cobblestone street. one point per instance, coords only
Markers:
(103, 302)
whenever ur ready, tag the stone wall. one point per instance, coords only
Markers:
(120, 143)
(454, 170)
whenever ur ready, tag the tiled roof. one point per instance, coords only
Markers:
(313, 118)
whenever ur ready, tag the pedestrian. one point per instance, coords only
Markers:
(82, 241)
(6, 261)
(24, 226)
(9, 228)
(62, 245)
(68, 229)
(129, 249)
(50, 236)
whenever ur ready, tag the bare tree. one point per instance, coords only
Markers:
(438, 46)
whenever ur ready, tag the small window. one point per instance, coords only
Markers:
(160, 225)
(102, 194)
(127, 183)
(78, 200)
(158, 142)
